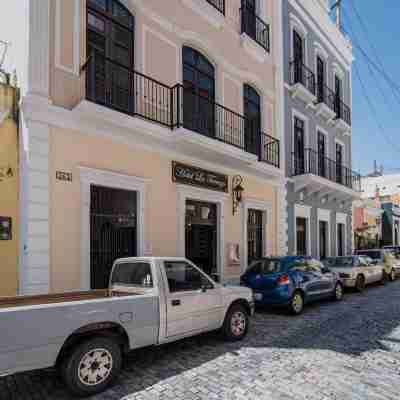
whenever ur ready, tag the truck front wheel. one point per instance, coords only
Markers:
(236, 323)
(91, 367)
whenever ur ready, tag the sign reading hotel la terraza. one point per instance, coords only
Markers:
(189, 175)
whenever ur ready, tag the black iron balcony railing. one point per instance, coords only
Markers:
(310, 161)
(254, 26)
(115, 86)
(326, 95)
(342, 110)
(300, 73)
(218, 4)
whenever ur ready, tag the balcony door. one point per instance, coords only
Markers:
(298, 57)
(299, 148)
(198, 93)
(339, 163)
(321, 154)
(252, 114)
(338, 96)
(320, 80)
(249, 10)
(110, 38)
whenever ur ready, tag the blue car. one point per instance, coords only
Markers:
(291, 282)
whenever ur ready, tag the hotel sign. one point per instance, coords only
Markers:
(189, 175)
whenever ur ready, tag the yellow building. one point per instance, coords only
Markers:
(8, 187)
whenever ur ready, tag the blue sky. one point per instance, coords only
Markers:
(381, 19)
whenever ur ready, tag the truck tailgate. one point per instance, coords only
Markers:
(31, 336)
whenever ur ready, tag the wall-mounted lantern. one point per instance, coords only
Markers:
(237, 192)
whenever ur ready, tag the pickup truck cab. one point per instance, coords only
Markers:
(381, 257)
(150, 301)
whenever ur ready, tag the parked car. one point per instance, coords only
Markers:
(291, 282)
(356, 271)
(381, 257)
(150, 301)
(395, 250)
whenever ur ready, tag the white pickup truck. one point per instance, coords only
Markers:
(150, 301)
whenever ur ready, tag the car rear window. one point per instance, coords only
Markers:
(339, 262)
(132, 274)
(375, 255)
(265, 267)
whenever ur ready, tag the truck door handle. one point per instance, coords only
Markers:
(176, 303)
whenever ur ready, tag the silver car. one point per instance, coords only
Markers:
(356, 271)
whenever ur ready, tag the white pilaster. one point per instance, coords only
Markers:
(34, 260)
(282, 220)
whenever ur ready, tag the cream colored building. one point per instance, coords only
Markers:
(138, 118)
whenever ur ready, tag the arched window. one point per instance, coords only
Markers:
(199, 92)
(252, 113)
(110, 44)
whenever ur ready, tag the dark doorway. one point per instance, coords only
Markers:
(339, 163)
(301, 236)
(252, 113)
(255, 235)
(321, 155)
(298, 58)
(338, 97)
(323, 239)
(249, 17)
(199, 93)
(340, 240)
(113, 231)
(201, 235)
(110, 38)
(299, 159)
(320, 80)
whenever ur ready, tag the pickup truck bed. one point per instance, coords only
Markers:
(21, 301)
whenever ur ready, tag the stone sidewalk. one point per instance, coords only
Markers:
(336, 351)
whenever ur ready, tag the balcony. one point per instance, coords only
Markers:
(302, 81)
(322, 176)
(343, 116)
(219, 5)
(213, 11)
(325, 103)
(193, 120)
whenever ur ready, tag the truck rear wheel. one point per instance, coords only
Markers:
(236, 323)
(92, 366)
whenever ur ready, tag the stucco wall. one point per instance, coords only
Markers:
(70, 149)
(9, 207)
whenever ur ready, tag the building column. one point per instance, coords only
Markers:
(34, 261)
(282, 220)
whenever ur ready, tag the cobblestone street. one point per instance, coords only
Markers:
(347, 350)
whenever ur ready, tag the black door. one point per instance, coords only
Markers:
(321, 155)
(249, 18)
(301, 236)
(338, 97)
(110, 38)
(255, 234)
(299, 151)
(252, 114)
(340, 239)
(320, 80)
(339, 163)
(298, 57)
(199, 93)
(201, 235)
(113, 231)
(323, 239)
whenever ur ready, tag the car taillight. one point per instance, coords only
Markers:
(283, 280)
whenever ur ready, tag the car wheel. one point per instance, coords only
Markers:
(360, 283)
(236, 324)
(91, 366)
(297, 303)
(392, 275)
(338, 292)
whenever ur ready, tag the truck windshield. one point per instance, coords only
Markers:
(339, 262)
(132, 274)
